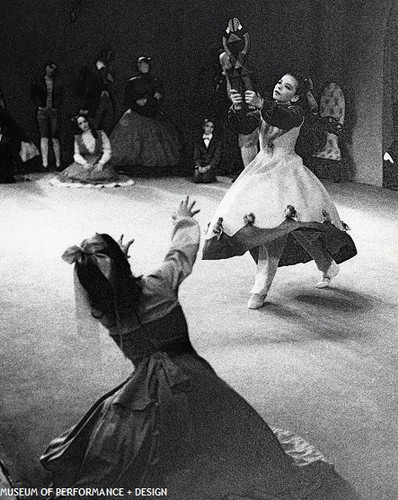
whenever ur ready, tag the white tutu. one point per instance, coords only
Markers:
(274, 179)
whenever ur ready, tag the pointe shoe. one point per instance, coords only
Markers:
(331, 273)
(256, 301)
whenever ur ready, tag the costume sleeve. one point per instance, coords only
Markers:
(242, 122)
(217, 155)
(283, 117)
(77, 156)
(106, 148)
(181, 256)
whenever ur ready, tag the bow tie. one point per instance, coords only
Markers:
(207, 137)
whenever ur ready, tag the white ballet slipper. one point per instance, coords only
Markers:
(324, 283)
(256, 301)
(331, 273)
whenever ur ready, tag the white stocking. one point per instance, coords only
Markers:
(57, 152)
(44, 151)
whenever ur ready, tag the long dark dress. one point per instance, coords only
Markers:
(174, 423)
(144, 135)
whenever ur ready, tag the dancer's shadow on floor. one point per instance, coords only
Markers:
(335, 299)
(333, 314)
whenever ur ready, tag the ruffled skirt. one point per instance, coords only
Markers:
(76, 175)
(254, 212)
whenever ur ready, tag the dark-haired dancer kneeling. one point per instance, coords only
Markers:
(173, 423)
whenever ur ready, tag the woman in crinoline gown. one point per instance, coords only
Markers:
(277, 208)
(144, 135)
(173, 423)
(92, 152)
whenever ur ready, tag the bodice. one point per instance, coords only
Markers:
(168, 334)
(98, 145)
(276, 141)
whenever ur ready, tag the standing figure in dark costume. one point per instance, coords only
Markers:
(277, 209)
(206, 154)
(24, 151)
(10, 143)
(144, 136)
(47, 94)
(94, 89)
(173, 423)
(7, 155)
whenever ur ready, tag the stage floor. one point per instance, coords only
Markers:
(321, 363)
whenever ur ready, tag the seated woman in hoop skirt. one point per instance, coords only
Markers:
(92, 154)
(173, 423)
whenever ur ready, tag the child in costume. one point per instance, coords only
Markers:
(277, 209)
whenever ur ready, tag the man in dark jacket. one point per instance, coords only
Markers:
(94, 91)
(48, 97)
(207, 154)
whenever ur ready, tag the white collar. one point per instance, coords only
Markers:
(207, 136)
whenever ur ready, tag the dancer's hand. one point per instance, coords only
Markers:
(203, 170)
(142, 101)
(157, 95)
(253, 99)
(185, 209)
(236, 99)
(125, 247)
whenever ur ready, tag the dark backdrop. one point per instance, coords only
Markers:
(183, 36)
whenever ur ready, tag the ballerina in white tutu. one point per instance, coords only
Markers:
(277, 209)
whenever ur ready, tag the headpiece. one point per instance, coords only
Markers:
(144, 59)
(94, 250)
(81, 113)
(90, 249)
